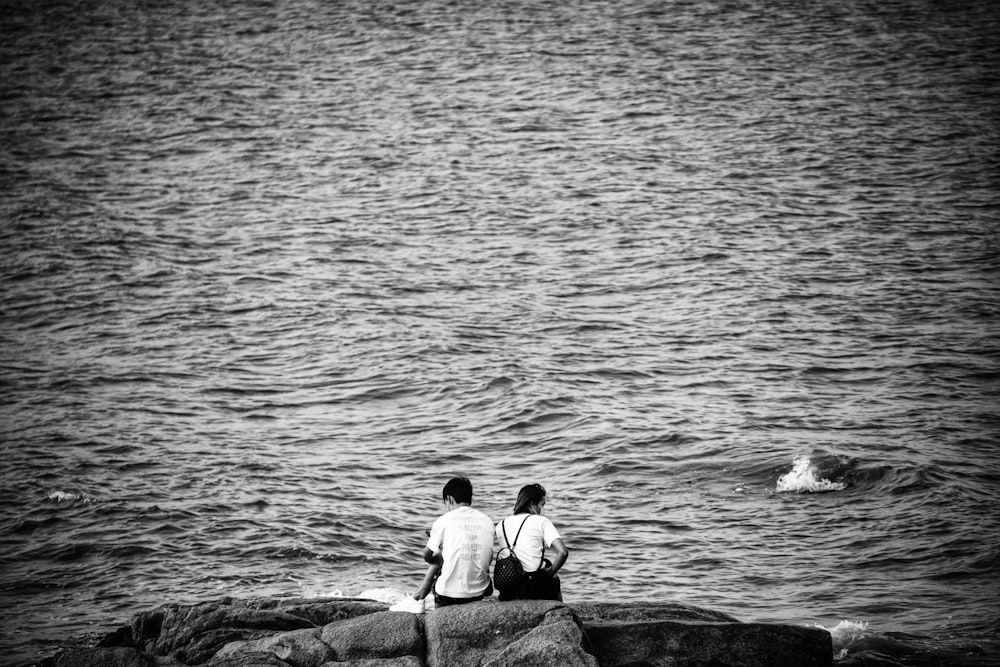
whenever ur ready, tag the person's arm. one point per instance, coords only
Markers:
(425, 587)
(561, 553)
(433, 558)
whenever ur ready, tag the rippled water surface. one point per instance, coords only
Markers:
(723, 276)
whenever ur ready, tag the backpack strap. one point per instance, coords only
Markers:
(503, 527)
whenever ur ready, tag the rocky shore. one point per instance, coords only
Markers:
(341, 632)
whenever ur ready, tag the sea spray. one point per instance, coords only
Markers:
(387, 595)
(843, 634)
(854, 643)
(68, 497)
(309, 592)
(804, 478)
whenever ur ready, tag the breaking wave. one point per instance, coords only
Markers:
(68, 497)
(805, 477)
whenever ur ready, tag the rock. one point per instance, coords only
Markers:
(868, 659)
(193, 634)
(102, 657)
(123, 636)
(403, 661)
(318, 611)
(296, 632)
(250, 659)
(646, 611)
(672, 643)
(164, 661)
(298, 648)
(384, 634)
(526, 633)
(557, 643)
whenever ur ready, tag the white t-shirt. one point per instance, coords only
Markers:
(464, 538)
(537, 531)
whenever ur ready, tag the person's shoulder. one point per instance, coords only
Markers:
(481, 515)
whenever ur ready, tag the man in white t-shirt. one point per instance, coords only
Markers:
(461, 542)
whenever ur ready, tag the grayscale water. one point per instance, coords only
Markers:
(723, 276)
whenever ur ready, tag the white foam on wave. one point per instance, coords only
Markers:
(310, 593)
(804, 478)
(844, 633)
(387, 595)
(67, 496)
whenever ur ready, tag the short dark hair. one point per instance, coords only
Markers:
(459, 488)
(529, 495)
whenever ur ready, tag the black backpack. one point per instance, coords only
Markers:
(508, 572)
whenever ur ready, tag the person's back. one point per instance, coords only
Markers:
(462, 541)
(529, 534)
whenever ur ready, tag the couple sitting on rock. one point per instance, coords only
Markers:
(460, 549)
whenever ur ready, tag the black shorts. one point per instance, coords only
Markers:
(444, 600)
(536, 587)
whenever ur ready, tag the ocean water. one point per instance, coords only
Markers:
(721, 275)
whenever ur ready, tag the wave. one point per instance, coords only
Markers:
(69, 497)
(843, 634)
(820, 472)
(28, 526)
(855, 643)
(805, 477)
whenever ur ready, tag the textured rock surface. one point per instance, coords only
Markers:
(102, 657)
(404, 661)
(384, 634)
(337, 632)
(319, 611)
(250, 659)
(554, 642)
(193, 634)
(646, 611)
(525, 633)
(672, 643)
(298, 648)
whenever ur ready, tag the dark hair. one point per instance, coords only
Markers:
(529, 495)
(459, 488)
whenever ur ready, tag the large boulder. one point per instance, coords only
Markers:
(295, 632)
(402, 661)
(248, 659)
(320, 611)
(671, 643)
(523, 633)
(559, 642)
(101, 657)
(384, 634)
(298, 648)
(646, 611)
(194, 634)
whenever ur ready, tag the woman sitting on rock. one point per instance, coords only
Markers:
(527, 534)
